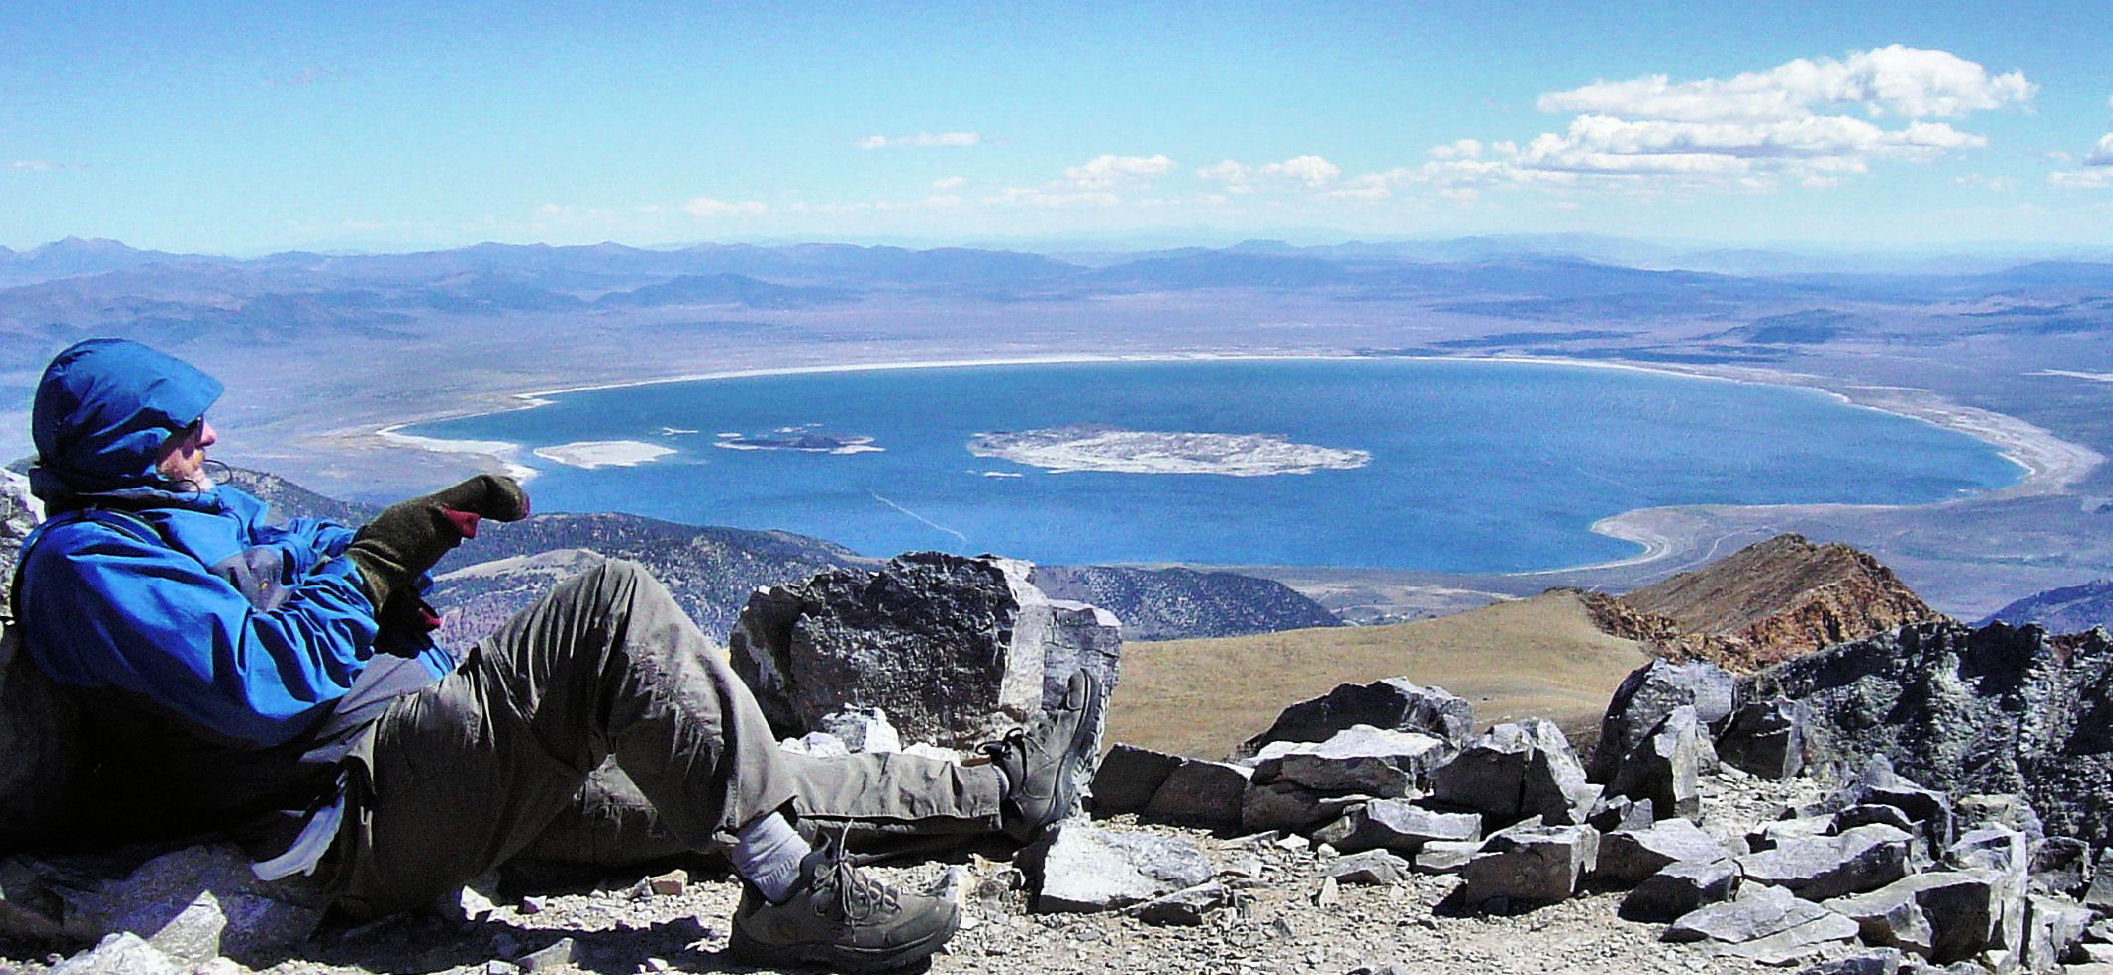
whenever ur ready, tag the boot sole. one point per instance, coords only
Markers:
(843, 958)
(1085, 746)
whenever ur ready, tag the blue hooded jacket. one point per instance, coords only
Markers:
(184, 678)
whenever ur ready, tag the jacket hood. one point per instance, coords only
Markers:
(102, 412)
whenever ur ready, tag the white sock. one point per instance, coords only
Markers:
(767, 853)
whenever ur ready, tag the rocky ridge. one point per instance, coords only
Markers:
(1173, 604)
(1769, 602)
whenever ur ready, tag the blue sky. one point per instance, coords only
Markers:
(245, 128)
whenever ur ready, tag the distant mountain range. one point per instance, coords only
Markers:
(2068, 609)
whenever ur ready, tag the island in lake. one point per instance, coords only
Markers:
(1095, 447)
(805, 439)
(592, 454)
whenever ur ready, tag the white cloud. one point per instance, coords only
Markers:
(1897, 80)
(32, 165)
(922, 140)
(1107, 172)
(1053, 199)
(705, 206)
(1982, 181)
(1308, 172)
(2102, 153)
(949, 183)
(1808, 122)
(2082, 179)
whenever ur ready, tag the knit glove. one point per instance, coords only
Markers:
(409, 536)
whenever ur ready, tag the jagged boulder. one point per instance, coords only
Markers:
(1960, 710)
(1647, 696)
(1529, 865)
(955, 650)
(1944, 916)
(1394, 704)
(1206, 795)
(1293, 807)
(1666, 765)
(1127, 778)
(1766, 738)
(1679, 889)
(1518, 769)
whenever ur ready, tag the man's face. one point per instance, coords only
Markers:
(183, 456)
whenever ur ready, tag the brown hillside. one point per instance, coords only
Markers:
(1542, 656)
(1769, 602)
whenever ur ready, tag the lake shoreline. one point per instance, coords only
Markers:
(2048, 464)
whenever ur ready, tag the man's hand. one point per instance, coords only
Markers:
(408, 537)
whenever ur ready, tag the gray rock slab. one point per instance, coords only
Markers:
(1292, 807)
(1796, 943)
(1186, 907)
(1372, 867)
(1398, 825)
(1445, 856)
(1679, 889)
(2099, 896)
(1395, 704)
(1757, 911)
(197, 904)
(1999, 809)
(2053, 927)
(1363, 759)
(1864, 814)
(1537, 865)
(1086, 868)
(1628, 856)
(122, 953)
(1945, 916)
(1820, 867)
(1127, 778)
(1203, 794)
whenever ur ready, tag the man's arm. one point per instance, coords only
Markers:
(104, 609)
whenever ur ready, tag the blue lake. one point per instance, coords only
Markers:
(1473, 467)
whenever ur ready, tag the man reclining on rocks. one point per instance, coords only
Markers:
(229, 669)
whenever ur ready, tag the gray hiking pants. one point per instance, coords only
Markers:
(506, 755)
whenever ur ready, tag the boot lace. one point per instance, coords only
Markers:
(856, 896)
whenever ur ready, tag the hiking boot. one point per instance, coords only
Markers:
(840, 918)
(1049, 762)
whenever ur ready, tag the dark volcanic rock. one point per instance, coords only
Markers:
(955, 650)
(1960, 710)
(1518, 769)
(1666, 766)
(1766, 738)
(1647, 696)
(1127, 778)
(1395, 704)
(1174, 604)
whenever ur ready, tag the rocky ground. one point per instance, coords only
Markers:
(1288, 918)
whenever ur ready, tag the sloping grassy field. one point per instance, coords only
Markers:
(1531, 657)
